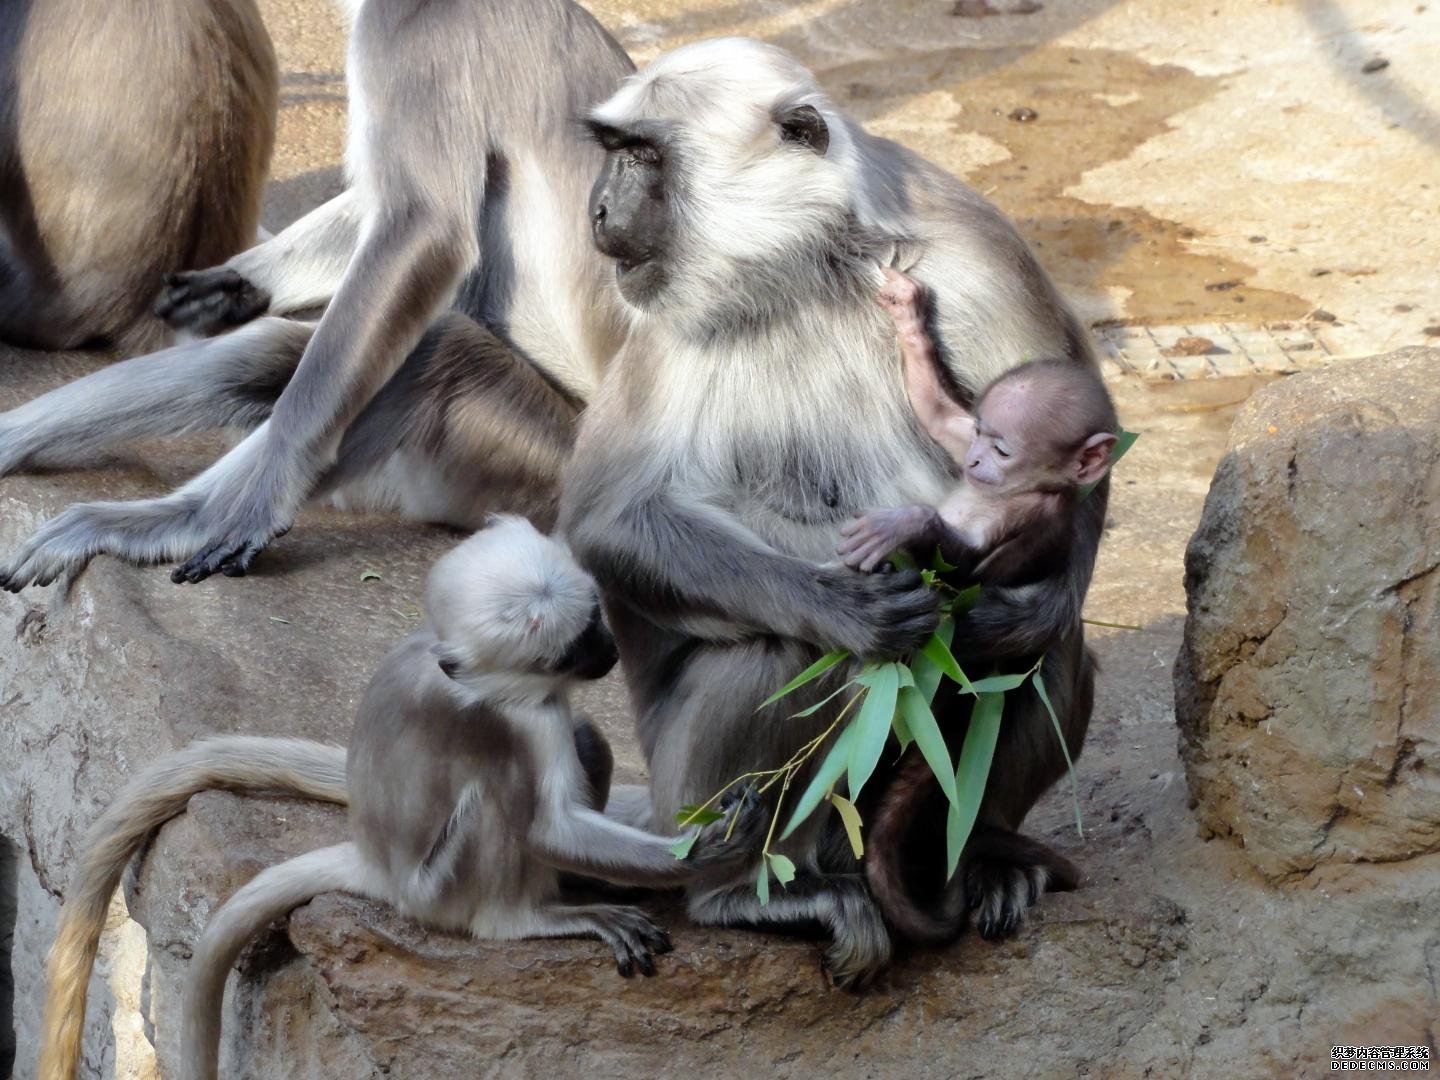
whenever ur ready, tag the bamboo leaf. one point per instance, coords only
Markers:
(998, 684)
(784, 869)
(1123, 441)
(938, 653)
(938, 563)
(850, 818)
(825, 776)
(821, 703)
(921, 722)
(695, 815)
(872, 726)
(681, 848)
(927, 673)
(901, 729)
(965, 601)
(971, 772)
(1039, 684)
(762, 883)
(902, 560)
(810, 674)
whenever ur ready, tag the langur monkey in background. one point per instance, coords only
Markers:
(134, 142)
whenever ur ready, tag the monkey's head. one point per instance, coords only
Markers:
(512, 602)
(724, 165)
(1048, 425)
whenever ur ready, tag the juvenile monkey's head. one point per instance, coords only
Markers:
(725, 167)
(512, 609)
(1048, 425)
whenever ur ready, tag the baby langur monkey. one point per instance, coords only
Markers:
(1039, 433)
(467, 795)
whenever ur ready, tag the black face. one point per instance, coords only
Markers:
(629, 210)
(592, 654)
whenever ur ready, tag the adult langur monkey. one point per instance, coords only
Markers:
(746, 244)
(469, 179)
(758, 405)
(134, 141)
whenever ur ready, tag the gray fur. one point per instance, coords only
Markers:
(478, 203)
(755, 407)
(132, 142)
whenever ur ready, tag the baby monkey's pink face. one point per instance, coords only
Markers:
(1023, 442)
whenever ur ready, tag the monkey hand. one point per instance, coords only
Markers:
(903, 299)
(208, 301)
(735, 841)
(869, 539)
(876, 616)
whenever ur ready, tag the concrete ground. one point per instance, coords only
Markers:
(1263, 173)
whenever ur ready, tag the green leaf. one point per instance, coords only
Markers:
(938, 563)
(695, 815)
(850, 818)
(1123, 441)
(1039, 684)
(901, 560)
(681, 848)
(810, 674)
(998, 684)
(370, 575)
(965, 601)
(907, 677)
(825, 776)
(783, 868)
(872, 726)
(901, 728)
(927, 673)
(821, 703)
(921, 722)
(971, 772)
(937, 651)
(762, 883)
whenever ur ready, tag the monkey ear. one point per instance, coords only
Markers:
(450, 663)
(804, 126)
(1093, 459)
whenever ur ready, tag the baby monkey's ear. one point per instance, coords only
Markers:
(450, 661)
(1093, 458)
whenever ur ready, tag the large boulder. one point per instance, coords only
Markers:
(1308, 687)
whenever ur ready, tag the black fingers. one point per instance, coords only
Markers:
(209, 300)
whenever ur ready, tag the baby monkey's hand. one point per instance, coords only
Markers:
(903, 299)
(868, 540)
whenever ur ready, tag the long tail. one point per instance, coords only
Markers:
(267, 896)
(235, 763)
(884, 856)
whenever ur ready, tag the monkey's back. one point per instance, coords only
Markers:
(136, 142)
(418, 753)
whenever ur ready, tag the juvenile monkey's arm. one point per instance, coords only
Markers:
(581, 841)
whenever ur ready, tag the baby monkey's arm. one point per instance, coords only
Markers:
(870, 539)
(943, 420)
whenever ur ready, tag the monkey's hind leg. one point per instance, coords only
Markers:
(860, 946)
(632, 937)
(222, 382)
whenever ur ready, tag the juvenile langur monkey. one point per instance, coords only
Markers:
(468, 796)
(134, 140)
(1037, 435)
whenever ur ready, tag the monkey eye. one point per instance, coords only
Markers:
(645, 154)
(1001, 451)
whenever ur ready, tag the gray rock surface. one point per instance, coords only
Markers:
(1307, 690)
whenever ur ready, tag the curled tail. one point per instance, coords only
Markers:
(234, 763)
(267, 896)
(884, 856)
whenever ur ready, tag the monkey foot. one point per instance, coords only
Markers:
(1006, 880)
(206, 301)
